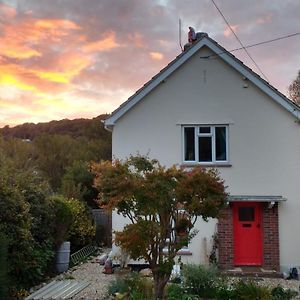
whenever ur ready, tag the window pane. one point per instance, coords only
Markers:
(221, 143)
(204, 130)
(189, 146)
(246, 214)
(205, 153)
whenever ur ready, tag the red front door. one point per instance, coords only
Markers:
(247, 233)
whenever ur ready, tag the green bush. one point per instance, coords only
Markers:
(63, 219)
(135, 286)
(118, 286)
(177, 292)
(249, 290)
(279, 293)
(82, 230)
(226, 291)
(3, 267)
(201, 280)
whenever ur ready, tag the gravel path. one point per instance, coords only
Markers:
(92, 272)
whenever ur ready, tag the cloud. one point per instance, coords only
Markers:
(156, 55)
(84, 57)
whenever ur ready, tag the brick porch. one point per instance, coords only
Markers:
(270, 238)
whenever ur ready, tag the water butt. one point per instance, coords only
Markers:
(63, 257)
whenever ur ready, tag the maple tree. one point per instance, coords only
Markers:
(162, 205)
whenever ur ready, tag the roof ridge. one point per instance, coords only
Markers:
(189, 51)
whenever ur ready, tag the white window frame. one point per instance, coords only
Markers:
(196, 139)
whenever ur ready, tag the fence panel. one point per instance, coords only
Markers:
(102, 218)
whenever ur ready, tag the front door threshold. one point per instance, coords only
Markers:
(253, 272)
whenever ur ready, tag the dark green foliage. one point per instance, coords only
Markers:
(34, 221)
(72, 221)
(134, 286)
(279, 293)
(201, 280)
(82, 230)
(3, 267)
(118, 286)
(177, 292)
(90, 128)
(63, 219)
(78, 183)
(54, 147)
(249, 290)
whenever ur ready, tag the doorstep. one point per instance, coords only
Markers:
(253, 272)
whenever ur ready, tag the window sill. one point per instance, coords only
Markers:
(213, 165)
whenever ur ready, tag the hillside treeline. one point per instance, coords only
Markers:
(46, 194)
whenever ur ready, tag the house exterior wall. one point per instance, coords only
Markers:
(264, 139)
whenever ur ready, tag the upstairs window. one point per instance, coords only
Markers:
(206, 144)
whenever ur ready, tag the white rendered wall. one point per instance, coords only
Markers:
(264, 139)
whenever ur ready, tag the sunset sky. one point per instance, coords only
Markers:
(81, 58)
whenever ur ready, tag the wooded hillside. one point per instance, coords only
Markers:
(89, 128)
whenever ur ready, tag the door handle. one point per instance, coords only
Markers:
(258, 225)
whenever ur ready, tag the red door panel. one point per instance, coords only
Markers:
(247, 233)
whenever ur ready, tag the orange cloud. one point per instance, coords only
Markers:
(21, 40)
(68, 65)
(228, 32)
(56, 24)
(11, 76)
(156, 55)
(108, 43)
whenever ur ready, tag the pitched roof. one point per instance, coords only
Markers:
(182, 58)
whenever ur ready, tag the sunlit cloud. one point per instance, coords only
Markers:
(156, 55)
(105, 44)
(67, 59)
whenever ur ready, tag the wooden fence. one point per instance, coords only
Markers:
(102, 219)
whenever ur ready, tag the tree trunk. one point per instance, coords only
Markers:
(160, 282)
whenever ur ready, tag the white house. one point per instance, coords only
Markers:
(207, 108)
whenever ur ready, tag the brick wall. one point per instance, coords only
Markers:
(225, 238)
(270, 238)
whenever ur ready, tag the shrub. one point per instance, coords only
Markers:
(118, 286)
(226, 291)
(177, 292)
(82, 230)
(249, 291)
(136, 286)
(201, 280)
(3, 267)
(279, 293)
(63, 219)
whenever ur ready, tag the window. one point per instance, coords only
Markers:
(206, 144)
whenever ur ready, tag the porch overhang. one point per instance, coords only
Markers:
(255, 198)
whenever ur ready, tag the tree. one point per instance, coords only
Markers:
(78, 183)
(161, 204)
(294, 89)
